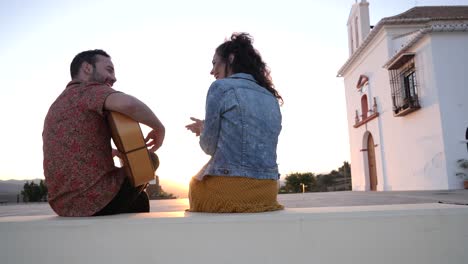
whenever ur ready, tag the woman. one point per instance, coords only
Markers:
(240, 133)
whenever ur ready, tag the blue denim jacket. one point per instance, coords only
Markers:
(242, 125)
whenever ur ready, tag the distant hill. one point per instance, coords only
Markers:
(10, 189)
(14, 186)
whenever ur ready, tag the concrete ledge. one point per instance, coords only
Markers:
(416, 233)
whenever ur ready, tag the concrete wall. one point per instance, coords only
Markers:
(423, 233)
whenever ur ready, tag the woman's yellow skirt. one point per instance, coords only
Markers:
(228, 194)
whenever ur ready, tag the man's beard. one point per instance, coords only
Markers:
(96, 77)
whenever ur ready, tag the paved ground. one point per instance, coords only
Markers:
(297, 200)
(356, 198)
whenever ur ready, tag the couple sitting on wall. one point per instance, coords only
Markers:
(240, 133)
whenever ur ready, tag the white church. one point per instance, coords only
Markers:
(406, 87)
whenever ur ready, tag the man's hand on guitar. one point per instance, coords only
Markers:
(154, 140)
(116, 153)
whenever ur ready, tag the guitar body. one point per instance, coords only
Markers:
(128, 138)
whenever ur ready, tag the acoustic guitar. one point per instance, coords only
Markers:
(139, 163)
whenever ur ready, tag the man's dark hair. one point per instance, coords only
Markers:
(88, 56)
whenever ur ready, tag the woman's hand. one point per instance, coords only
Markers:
(196, 127)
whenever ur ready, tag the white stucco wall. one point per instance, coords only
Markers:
(400, 36)
(411, 233)
(415, 151)
(369, 64)
(450, 62)
(410, 152)
(358, 25)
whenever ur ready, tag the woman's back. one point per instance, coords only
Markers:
(250, 125)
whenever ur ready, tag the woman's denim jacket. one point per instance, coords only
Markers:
(242, 125)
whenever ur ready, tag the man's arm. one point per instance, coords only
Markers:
(140, 112)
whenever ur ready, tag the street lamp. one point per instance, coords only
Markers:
(303, 187)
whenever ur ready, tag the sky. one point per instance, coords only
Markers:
(162, 52)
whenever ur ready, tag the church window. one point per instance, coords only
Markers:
(404, 85)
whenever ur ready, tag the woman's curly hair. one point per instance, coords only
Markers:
(246, 60)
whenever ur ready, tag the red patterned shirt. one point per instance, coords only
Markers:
(78, 165)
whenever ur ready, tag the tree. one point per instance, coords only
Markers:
(43, 190)
(345, 170)
(324, 181)
(295, 180)
(336, 180)
(33, 192)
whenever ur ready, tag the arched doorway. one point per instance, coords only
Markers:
(371, 163)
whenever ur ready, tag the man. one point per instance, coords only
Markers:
(79, 170)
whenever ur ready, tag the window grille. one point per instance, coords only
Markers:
(404, 87)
